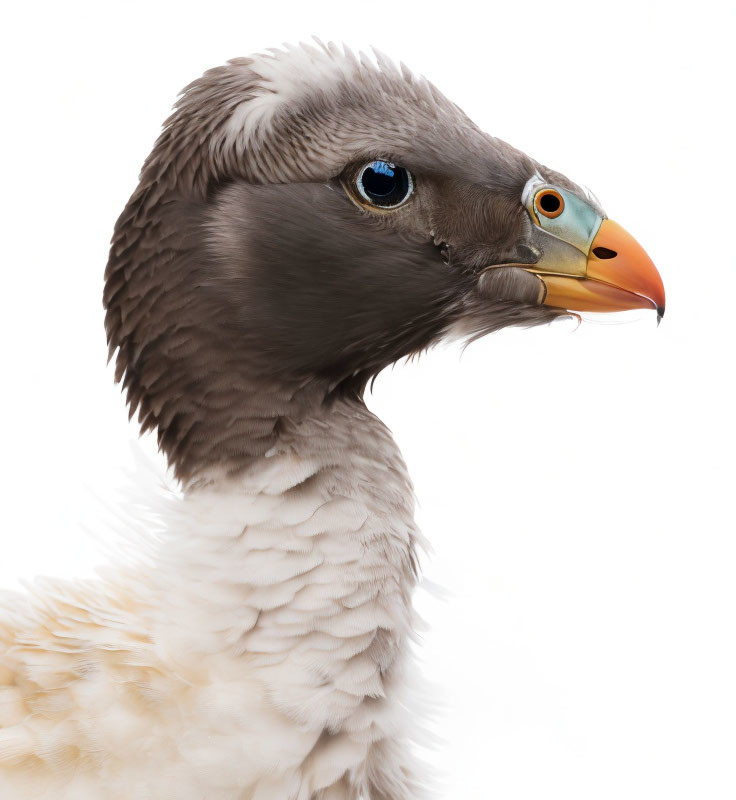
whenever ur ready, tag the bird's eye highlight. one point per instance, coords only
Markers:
(384, 185)
(549, 203)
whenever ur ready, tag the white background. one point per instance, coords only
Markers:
(576, 484)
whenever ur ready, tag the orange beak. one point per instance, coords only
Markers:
(619, 276)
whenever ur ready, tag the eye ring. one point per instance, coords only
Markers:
(382, 185)
(549, 203)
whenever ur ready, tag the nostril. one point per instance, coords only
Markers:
(604, 252)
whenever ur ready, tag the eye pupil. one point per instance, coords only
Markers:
(384, 184)
(380, 182)
(549, 203)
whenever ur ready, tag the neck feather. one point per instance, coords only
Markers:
(307, 555)
(298, 570)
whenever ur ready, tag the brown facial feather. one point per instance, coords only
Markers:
(244, 288)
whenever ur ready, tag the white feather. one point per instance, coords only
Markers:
(259, 650)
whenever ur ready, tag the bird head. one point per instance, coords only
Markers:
(308, 217)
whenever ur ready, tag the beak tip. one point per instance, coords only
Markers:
(660, 314)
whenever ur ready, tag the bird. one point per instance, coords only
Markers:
(307, 217)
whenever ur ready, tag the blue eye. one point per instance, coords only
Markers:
(384, 185)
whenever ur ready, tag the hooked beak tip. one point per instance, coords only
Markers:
(660, 314)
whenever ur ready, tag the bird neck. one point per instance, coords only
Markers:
(308, 551)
